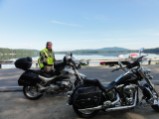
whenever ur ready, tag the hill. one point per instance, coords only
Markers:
(109, 51)
(102, 51)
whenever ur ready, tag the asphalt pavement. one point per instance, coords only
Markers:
(14, 105)
(9, 77)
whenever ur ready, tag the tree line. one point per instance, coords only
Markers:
(112, 51)
(7, 53)
(154, 50)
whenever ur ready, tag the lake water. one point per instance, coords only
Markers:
(78, 57)
(60, 57)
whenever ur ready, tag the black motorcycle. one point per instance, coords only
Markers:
(36, 82)
(90, 96)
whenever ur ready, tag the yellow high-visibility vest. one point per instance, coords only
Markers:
(49, 58)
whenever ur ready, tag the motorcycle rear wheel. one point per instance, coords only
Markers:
(31, 92)
(85, 114)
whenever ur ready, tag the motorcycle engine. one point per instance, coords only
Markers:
(111, 95)
(59, 86)
(128, 92)
(64, 85)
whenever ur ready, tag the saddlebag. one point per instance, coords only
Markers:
(23, 63)
(28, 78)
(87, 97)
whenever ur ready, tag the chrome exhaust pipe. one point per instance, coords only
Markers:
(118, 99)
(92, 109)
(123, 107)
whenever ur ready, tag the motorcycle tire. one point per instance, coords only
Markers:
(156, 107)
(31, 92)
(88, 114)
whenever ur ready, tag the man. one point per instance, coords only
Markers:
(47, 58)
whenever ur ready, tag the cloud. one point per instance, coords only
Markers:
(65, 24)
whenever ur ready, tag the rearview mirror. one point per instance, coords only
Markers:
(140, 51)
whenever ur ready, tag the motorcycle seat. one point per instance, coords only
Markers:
(47, 75)
(109, 86)
(96, 82)
(35, 71)
(91, 81)
(42, 73)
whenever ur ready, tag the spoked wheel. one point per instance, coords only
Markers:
(85, 114)
(156, 105)
(31, 92)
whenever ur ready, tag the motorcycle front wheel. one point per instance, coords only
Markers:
(156, 106)
(85, 114)
(31, 92)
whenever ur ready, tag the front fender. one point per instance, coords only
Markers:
(146, 91)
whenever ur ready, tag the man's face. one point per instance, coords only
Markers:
(49, 46)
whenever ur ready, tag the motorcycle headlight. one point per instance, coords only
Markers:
(147, 71)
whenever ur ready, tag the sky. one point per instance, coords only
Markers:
(79, 24)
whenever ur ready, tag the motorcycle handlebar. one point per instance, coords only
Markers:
(74, 64)
(135, 63)
(130, 65)
(116, 69)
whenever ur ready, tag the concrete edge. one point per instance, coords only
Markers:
(11, 89)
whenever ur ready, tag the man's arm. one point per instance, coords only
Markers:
(43, 58)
